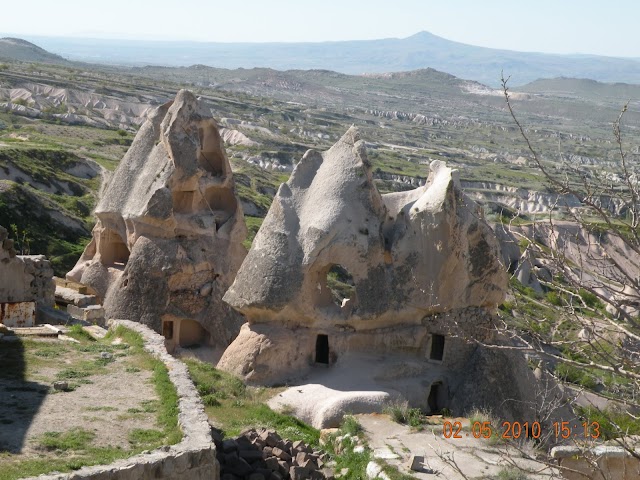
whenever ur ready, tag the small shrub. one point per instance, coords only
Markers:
(76, 331)
(571, 374)
(554, 299)
(210, 400)
(512, 473)
(590, 299)
(351, 425)
(611, 423)
(401, 413)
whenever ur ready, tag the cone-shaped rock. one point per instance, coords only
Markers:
(335, 258)
(168, 241)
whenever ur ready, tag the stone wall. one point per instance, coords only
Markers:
(24, 278)
(25, 281)
(194, 458)
(42, 287)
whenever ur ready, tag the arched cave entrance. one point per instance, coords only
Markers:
(438, 397)
(191, 333)
(210, 154)
(113, 250)
(184, 332)
(341, 285)
(222, 202)
(322, 349)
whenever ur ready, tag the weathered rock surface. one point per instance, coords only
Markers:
(168, 241)
(24, 278)
(410, 255)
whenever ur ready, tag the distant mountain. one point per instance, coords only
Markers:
(17, 49)
(423, 50)
(582, 88)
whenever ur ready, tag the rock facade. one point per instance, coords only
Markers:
(168, 241)
(26, 284)
(410, 255)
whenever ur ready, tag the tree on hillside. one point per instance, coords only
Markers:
(582, 321)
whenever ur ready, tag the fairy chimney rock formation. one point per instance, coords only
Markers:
(335, 261)
(168, 241)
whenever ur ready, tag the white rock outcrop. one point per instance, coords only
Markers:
(168, 241)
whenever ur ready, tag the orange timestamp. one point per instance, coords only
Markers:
(516, 430)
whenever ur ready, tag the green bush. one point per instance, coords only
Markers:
(512, 473)
(610, 423)
(351, 425)
(590, 299)
(554, 299)
(572, 374)
(401, 413)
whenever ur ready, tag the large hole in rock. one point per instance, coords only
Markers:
(322, 349)
(340, 283)
(210, 155)
(191, 333)
(438, 398)
(437, 347)
(113, 250)
(222, 202)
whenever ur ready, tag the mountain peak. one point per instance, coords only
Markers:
(18, 49)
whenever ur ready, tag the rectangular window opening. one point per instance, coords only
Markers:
(167, 330)
(322, 349)
(437, 347)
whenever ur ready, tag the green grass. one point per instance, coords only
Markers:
(140, 436)
(253, 225)
(351, 426)
(511, 473)
(76, 331)
(237, 407)
(75, 439)
(611, 423)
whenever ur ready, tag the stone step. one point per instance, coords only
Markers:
(39, 331)
(91, 313)
(68, 296)
(75, 286)
(95, 331)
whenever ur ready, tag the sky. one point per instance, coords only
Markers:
(551, 26)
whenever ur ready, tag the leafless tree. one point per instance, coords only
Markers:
(588, 264)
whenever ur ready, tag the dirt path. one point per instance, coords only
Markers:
(476, 458)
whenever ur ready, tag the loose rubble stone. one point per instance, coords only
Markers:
(61, 386)
(264, 454)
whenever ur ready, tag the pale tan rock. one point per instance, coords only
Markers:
(168, 241)
(427, 275)
(410, 254)
(24, 278)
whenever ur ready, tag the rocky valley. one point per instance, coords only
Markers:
(335, 244)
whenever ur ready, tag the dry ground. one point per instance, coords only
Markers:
(111, 404)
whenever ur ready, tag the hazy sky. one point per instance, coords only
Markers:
(554, 26)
